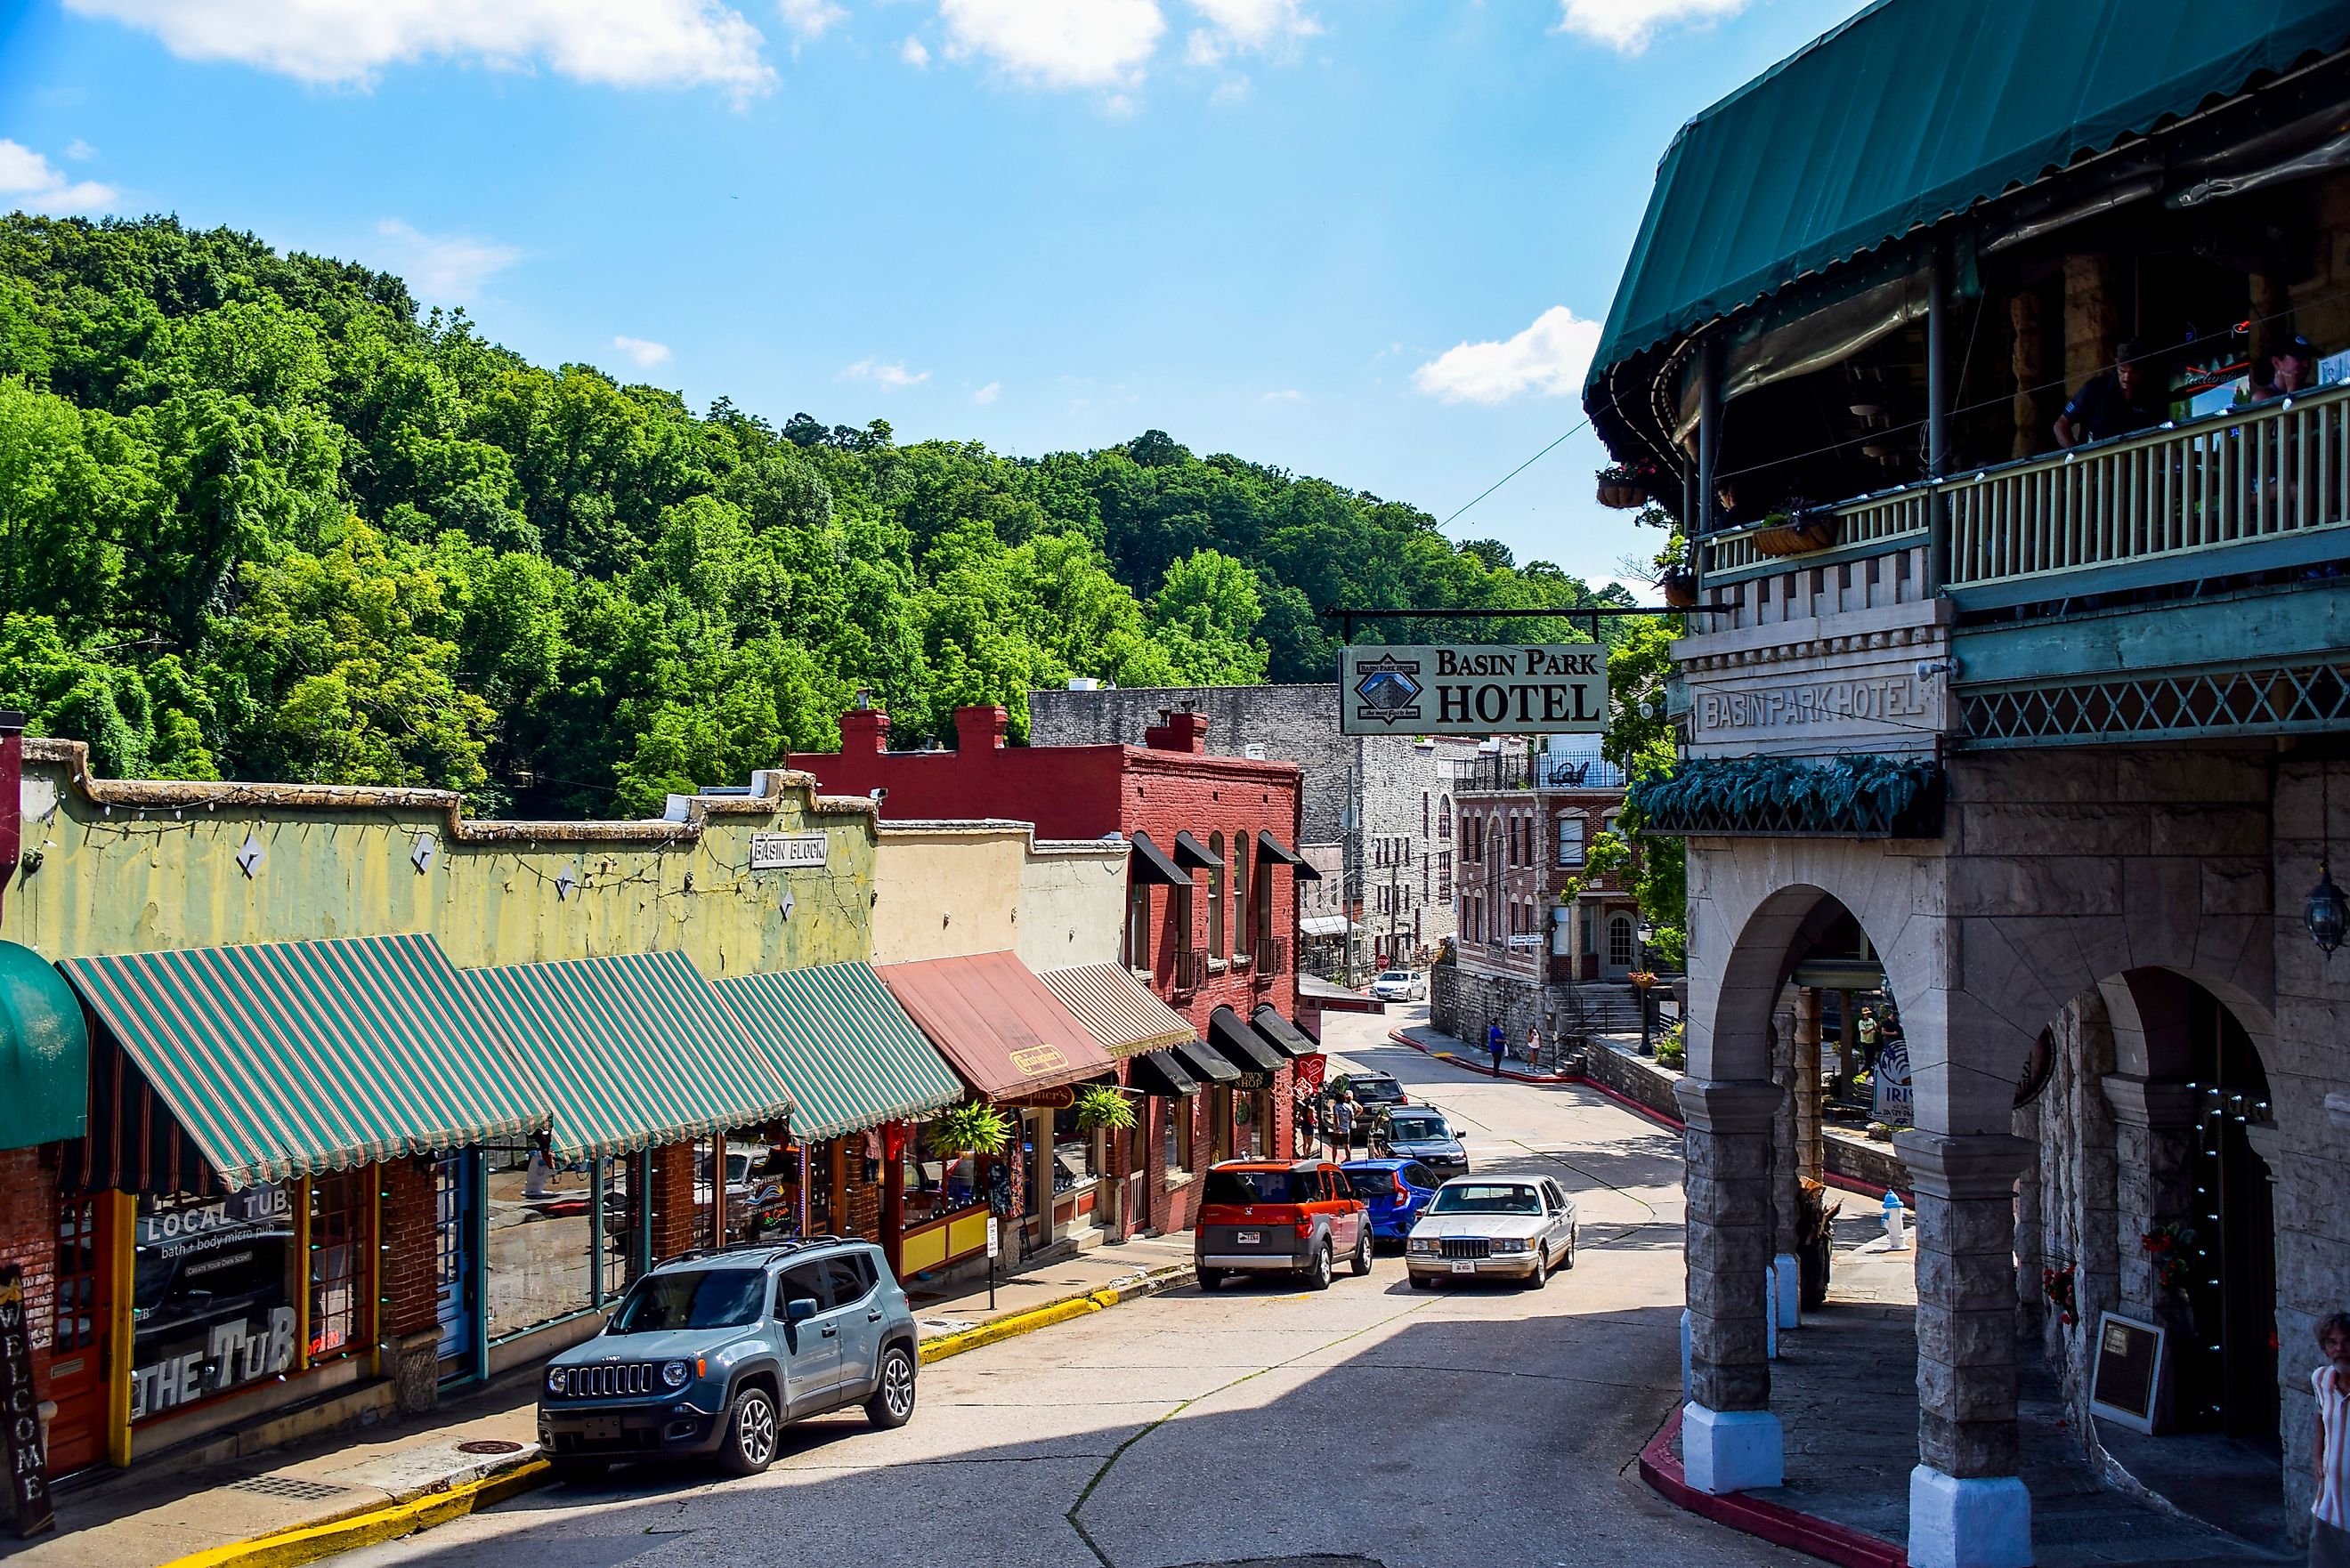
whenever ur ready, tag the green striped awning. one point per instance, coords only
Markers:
(835, 1036)
(285, 1059)
(635, 1049)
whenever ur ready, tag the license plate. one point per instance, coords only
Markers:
(1249, 1238)
(1464, 1267)
(601, 1429)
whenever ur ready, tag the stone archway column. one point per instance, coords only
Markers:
(1967, 1508)
(2154, 1184)
(1786, 1168)
(1730, 1440)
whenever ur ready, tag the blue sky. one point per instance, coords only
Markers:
(1364, 239)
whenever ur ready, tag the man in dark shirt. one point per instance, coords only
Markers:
(2112, 403)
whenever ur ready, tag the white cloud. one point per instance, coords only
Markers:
(28, 182)
(988, 393)
(451, 267)
(1056, 43)
(1286, 395)
(810, 18)
(889, 377)
(643, 350)
(618, 43)
(1239, 25)
(79, 150)
(1549, 357)
(912, 52)
(1627, 26)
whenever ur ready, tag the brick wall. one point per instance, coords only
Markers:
(28, 1240)
(406, 1219)
(673, 1199)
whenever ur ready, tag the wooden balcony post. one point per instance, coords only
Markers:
(1938, 415)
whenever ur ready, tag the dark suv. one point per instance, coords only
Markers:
(713, 1351)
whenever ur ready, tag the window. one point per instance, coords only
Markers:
(1590, 935)
(803, 1283)
(1216, 895)
(1423, 814)
(342, 1215)
(1073, 1153)
(937, 1184)
(1178, 1135)
(1570, 839)
(541, 1266)
(850, 1276)
(1619, 941)
(210, 1303)
(1444, 874)
(1445, 817)
(1240, 893)
(1425, 872)
(1138, 928)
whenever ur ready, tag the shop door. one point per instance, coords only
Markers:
(455, 1280)
(77, 1332)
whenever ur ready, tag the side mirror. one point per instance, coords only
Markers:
(799, 1309)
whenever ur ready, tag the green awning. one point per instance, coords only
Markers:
(1914, 109)
(44, 1053)
(286, 1059)
(842, 1045)
(636, 1050)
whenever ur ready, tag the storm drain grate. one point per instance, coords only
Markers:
(295, 1488)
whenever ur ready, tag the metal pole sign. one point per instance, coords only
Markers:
(1473, 689)
(20, 1410)
(994, 1248)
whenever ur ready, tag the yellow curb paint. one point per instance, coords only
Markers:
(286, 1548)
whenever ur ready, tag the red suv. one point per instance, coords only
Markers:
(1296, 1216)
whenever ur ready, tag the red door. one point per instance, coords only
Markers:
(78, 1333)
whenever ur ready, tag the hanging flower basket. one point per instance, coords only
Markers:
(1621, 489)
(1785, 535)
(1679, 590)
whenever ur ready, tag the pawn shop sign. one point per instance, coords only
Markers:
(1477, 688)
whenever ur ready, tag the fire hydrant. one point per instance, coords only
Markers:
(1895, 1241)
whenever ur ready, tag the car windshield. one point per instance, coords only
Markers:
(1396, 974)
(1409, 1129)
(697, 1298)
(1367, 1184)
(1482, 1199)
(1369, 1089)
(1260, 1187)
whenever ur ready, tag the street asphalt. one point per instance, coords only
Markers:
(1259, 1425)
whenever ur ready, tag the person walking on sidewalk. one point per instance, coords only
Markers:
(2329, 1530)
(1496, 1045)
(1341, 1126)
(1533, 1047)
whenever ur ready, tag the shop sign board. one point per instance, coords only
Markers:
(222, 1313)
(20, 1408)
(2128, 1375)
(1311, 1069)
(1473, 688)
(1897, 1096)
(1054, 1099)
(994, 1238)
(788, 851)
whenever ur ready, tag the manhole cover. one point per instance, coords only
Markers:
(295, 1488)
(489, 1446)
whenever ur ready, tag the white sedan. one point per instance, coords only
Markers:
(1517, 1226)
(1400, 985)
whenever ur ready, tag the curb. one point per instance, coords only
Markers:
(1772, 1522)
(309, 1543)
(1508, 1073)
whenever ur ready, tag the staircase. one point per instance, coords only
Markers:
(1606, 1008)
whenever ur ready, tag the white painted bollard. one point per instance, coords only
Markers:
(1893, 1216)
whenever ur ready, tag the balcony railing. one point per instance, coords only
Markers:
(2275, 470)
(1540, 771)
(1272, 957)
(1190, 969)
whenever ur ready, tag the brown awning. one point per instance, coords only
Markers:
(1189, 851)
(1151, 865)
(1005, 1033)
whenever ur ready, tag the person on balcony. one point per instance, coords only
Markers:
(2292, 367)
(2112, 403)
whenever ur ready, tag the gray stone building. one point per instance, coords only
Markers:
(1379, 807)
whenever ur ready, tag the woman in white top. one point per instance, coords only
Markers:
(2329, 1533)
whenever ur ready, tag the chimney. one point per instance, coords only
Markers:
(1178, 730)
(864, 731)
(12, 797)
(980, 728)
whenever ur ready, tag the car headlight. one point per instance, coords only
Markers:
(1508, 1244)
(1423, 1244)
(676, 1373)
(557, 1380)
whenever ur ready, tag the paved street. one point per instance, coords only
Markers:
(1371, 1424)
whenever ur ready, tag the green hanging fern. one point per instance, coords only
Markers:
(1100, 1106)
(969, 1128)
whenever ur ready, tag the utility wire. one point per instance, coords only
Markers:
(1505, 479)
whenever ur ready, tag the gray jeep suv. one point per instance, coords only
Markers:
(713, 1351)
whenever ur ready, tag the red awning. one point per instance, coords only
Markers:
(996, 1023)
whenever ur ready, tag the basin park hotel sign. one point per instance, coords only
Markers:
(1551, 689)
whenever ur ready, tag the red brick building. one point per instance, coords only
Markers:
(1211, 920)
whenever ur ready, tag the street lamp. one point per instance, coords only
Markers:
(1641, 934)
(2325, 912)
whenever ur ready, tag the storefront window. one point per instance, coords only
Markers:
(211, 1304)
(762, 1185)
(1074, 1161)
(542, 1221)
(342, 1236)
(937, 1185)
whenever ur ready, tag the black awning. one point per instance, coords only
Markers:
(1159, 1073)
(1285, 1036)
(1267, 844)
(1204, 1062)
(1241, 1045)
(1150, 864)
(1189, 851)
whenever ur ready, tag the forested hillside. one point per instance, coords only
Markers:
(261, 517)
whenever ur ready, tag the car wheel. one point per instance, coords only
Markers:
(1211, 1278)
(1541, 1276)
(579, 1472)
(1361, 1262)
(893, 1403)
(752, 1433)
(1318, 1273)
(1572, 1237)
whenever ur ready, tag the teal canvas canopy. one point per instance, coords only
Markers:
(1912, 110)
(44, 1053)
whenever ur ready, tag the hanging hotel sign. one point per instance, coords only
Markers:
(785, 851)
(1477, 688)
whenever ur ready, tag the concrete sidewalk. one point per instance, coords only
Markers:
(486, 1440)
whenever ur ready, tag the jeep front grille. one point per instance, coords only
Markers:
(608, 1382)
